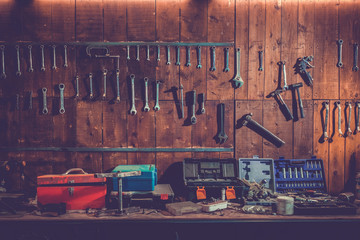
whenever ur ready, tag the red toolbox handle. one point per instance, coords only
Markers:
(75, 170)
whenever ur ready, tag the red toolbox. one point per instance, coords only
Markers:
(78, 191)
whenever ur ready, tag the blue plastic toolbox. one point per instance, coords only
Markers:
(145, 182)
(258, 169)
(295, 175)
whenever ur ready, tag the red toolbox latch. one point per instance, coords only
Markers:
(200, 193)
(164, 196)
(230, 193)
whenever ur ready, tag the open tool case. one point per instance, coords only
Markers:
(212, 178)
(295, 175)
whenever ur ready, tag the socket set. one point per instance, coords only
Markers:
(296, 175)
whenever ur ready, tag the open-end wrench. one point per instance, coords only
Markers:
(128, 52)
(198, 57)
(261, 59)
(222, 137)
(202, 101)
(77, 95)
(340, 43)
(325, 133)
(285, 87)
(188, 64)
(18, 72)
(182, 99)
(137, 53)
(146, 107)
(91, 96)
(45, 109)
(157, 107)
(358, 118)
(158, 53)
(237, 80)
(42, 58)
(356, 53)
(177, 56)
(54, 57)
(31, 69)
(118, 85)
(226, 69)
(104, 82)
(349, 132)
(65, 57)
(168, 55)
(133, 108)
(147, 53)
(213, 58)
(193, 117)
(3, 74)
(338, 105)
(62, 108)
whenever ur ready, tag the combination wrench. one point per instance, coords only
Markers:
(137, 53)
(133, 108)
(54, 57)
(158, 53)
(188, 64)
(62, 108)
(18, 72)
(147, 53)
(193, 117)
(65, 57)
(340, 43)
(157, 107)
(349, 132)
(91, 96)
(118, 85)
(285, 87)
(104, 82)
(198, 57)
(358, 117)
(31, 69)
(3, 74)
(213, 58)
(237, 80)
(168, 55)
(128, 52)
(226, 69)
(356, 52)
(177, 56)
(261, 59)
(338, 105)
(45, 109)
(42, 58)
(325, 134)
(146, 107)
(182, 99)
(77, 95)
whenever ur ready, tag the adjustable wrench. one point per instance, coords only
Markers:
(168, 55)
(202, 101)
(77, 95)
(133, 109)
(222, 137)
(18, 72)
(54, 57)
(340, 43)
(158, 53)
(193, 117)
(137, 53)
(358, 116)
(177, 56)
(349, 132)
(91, 96)
(213, 58)
(226, 69)
(146, 107)
(325, 134)
(62, 108)
(147, 53)
(157, 107)
(45, 109)
(182, 100)
(338, 105)
(104, 82)
(188, 64)
(198, 57)
(3, 74)
(285, 87)
(118, 85)
(356, 52)
(31, 69)
(65, 57)
(261, 57)
(42, 58)
(237, 80)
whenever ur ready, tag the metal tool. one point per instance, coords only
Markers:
(182, 99)
(168, 55)
(198, 48)
(193, 117)
(303, 64)
(91, 96)
(340, 43)
(62, 108)
(226, 69)
(284, 173)
(147, 53)
(105, 71)
(213, 58)
(261, 57)
(137, 53)
(133, 108)
(31, 69)
(338, 106)
(221, 136)
(349, 132)
(296, 172)
(128, 52)
(296, 87)
(158, 53)
(356, 53)
(146, 107)
(188, 64)
(105, 49)
(290, 173)
(157, 107)
(301, 172)
(118, 85)
(202, 101)
(177, 56)
(247, 121)
(54, 57)
(77, 95)
(237, 80)
(282, 63)
(3, 74)
(283, 107)
(45, 109)
(325, 133)
(18, 72)
(65, 57)
(42, 58)
(358, 118)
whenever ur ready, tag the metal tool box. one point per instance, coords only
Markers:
(212, 178)
(295, 175)
(78, 191)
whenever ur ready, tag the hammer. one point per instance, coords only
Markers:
(296, 87)
(283, 107)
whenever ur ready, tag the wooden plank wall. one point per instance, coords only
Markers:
(283, 29)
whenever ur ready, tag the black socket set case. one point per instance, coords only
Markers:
(295, 175)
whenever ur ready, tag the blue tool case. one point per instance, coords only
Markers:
(296, 175)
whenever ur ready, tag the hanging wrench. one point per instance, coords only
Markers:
(168, 55)
(54, 57)
(42, 58)
(158, 53)
(358, 117)
(137, 53)
(340, 43)
(104, 81)
(146, 107)
(133, 109)
(193, 117)
(177, 56)
(3, 74)
(31, 69)
(18, 73)
(198, 57)
(62, 108)
(157, 107)
(182, 99)
(226, 69)
(45, 109)
(325, 134)
(128, 52)
(237, 80)
(118, 85)
(91, 85)
(147, 53)
(65, 56)
(338, 105)
(349, 132)
(77, 87)
(213, 58)
(285, 87)
(356, 51)
(188, 64)
(261, 57)
(222, 137)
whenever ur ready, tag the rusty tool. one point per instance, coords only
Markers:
(283, 107)
(338, 106)
(296, 87)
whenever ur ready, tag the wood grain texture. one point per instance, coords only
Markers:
(89, 162)
(168, 14)
(221, 18)
(115, 21)
(89, 20)
(114, 124)
(303, 132)
(64, 125)
(63, 20)
(10, 21)
(111, 160)
(141, 20)
(194, 21)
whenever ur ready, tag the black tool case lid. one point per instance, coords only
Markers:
(210, 172)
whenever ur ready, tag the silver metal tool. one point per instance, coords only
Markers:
(137, 53)
(177, 56)
(158, 53)
(133, 108)
(285, 87)
(221, 136)
(213, 58)
(198, 57)
(296, 172)
(45, 109)
(118, 85)
(168, 55)
(261, 59)
(128, 52)
(349, 132)
(182, 100)
(226, 69)
(18, 72)
(301, 173)
(146, 107)
(65, 57)
(315, 166)
(193, 117)
(157, 107)
(202, 100)
(358, 117)
(77, 95)
(338, 105)
(91, 96)
(311, 165)
(42, 58)
(54, 57)
(325, 133)
(105, 71)
(237, 80)
(3, 74)
(340, 43)
(284, 173)
(320, 174)
(147, 53)
(62, 108)
(356, 53)
(316, 174)
(188, 64)
(105, 49)
(290, 173)
(31, 69)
